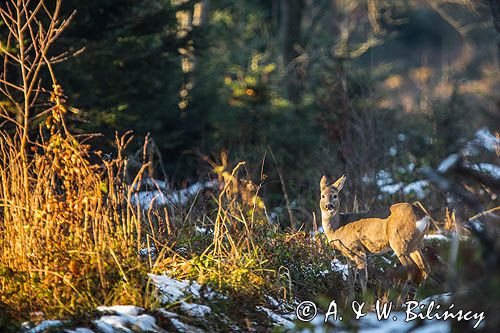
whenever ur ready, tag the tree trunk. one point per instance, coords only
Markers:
(291, 18)
(495, 12)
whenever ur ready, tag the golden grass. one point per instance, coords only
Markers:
(233, 259)
(70, 235)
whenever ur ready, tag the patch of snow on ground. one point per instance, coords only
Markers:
(45, 325)
(393, 151)
(366, 179)
(80, 330)
(152, 183)
(440, 299)
(146, 323)
(417, 187)
(272, 301)
(391, 188)
(491, 169)
(448, 162)
(386, 183)
(278, 319)
(195, 310)
(182, 197)
(184, 328)
(477, 225)
(127, 323)
(146, 199)
(167, 314)
(173, 290)
(383, 178)
(438, 237)
(338, 266)
(282, 306)
(129, 310)
(204, 231)
(145, 252)
(435, 327)
(176, 198)
(487, 139)
(483, 138)
(386, 260)
(370, 324)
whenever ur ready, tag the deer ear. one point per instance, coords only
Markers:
(322, 183)
(339, 184)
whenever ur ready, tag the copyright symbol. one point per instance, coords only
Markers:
(306, 311)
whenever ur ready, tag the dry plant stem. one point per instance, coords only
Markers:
(285, 192)
(220, 229)
(68, 232)
(27, 29)
(484, 213)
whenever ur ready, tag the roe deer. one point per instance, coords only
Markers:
(400, 228)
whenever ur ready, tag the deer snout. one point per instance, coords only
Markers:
(329, 206)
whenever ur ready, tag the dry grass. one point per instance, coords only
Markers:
(68, 236)
(234, 258)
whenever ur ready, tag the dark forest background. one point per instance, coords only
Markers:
(401, 96)
(326, 86)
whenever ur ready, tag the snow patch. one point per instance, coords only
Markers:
(159, 197)
(438, 237)
(195, 310)
(278, 319)
(80, 330)
(167, 314)
(386, 183)
(370, 324)
(150, 183)
(272, 301)
(173, 290)
(383, 178)
(204, 231)
(129, 310)
(338, 266)
(417, 187)
(184, 328)
(391, 188)
(448, 162)
(393, 151)
(439, 299)
(127, 323)
(145, 252)
(482, 139)
(477, 225)
(491, 169)
(45, 325)
(487, 139)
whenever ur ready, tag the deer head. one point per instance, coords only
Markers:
(330, 201)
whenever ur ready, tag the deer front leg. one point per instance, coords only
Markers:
(351, 280)
(361, 267)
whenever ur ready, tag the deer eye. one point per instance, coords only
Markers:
(322, 196)
(335, 196)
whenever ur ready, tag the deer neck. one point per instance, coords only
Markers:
(330, 223)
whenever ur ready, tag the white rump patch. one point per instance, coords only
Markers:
(423, 223)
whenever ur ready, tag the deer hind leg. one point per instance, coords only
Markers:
(412, 271)
(421, 263)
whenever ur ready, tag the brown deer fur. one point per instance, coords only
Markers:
(399, 228)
